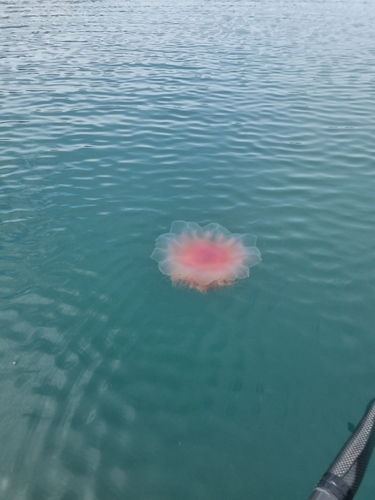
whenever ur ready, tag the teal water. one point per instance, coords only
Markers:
(118, 118)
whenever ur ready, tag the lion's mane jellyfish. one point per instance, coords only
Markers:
(205, 257)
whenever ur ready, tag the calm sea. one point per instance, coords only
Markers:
(119, 117)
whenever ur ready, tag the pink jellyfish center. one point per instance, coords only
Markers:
(204, 255)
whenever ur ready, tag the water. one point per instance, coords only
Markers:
(118, 118)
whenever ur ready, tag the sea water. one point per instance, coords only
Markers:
(120, 117)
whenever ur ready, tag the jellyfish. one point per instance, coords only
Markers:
(205, 257)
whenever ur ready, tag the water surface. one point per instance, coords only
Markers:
(119, 117)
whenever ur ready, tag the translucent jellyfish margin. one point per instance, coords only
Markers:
(243, 247)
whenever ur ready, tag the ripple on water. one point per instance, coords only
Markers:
(118, 118)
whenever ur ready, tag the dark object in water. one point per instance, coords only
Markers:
(345, 474)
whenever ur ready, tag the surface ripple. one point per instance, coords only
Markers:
(118, 118)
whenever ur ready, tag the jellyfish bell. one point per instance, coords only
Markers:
(205, 257)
